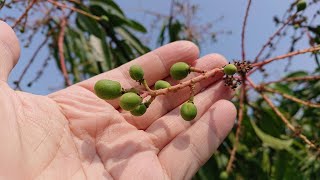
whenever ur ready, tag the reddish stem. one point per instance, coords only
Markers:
(31, 61)
(25, 13)
(292, 98)
(294, 53)
(244, 30)
(217, 72)
(283, 118)
(74, 9)
(305, 78)
(273, 36)
(63, 24)
(238, 131)
(193, 69)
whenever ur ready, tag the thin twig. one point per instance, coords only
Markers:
(305, 78)
(294, 53)
(217, 73)
(145, 84)
(303, 51)
(243, 93)
(282, 117)
(243, 53)
(273, 36)
(32, 59)
(238, 131)
(75, 9)
(40, 72)
(193, 69)
(25, 13)
(63, 25)
(292, 98)
(286, 122)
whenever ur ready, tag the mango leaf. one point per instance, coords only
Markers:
(2, 2)
(136, 26)
(161, 37)
(69, 51)
(316, 57)
(106, 7)
(87, 24)
(268, 121)
(297, 74)
(110, 10)
(266, 165)
(201, 175)
(132, 40)
(107, 53)
(282, 88)
(174, 31)
(97, 49)
(271, 141)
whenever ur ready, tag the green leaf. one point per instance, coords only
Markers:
(88, 25)
(280, 165)
(266, 165)
(271, 141)
(97, 49)
(132, 40)
(2, 3)
(316, 58)
(282, 88)
(104, 18)
(110, 10)
(105, 7)
(174, 31)
(202, 174)
(297, 74)
(136, 26)
(161, 37)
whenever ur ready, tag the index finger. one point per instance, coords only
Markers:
(156, 65)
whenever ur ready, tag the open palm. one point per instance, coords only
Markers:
(72, 134)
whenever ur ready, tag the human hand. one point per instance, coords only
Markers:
(72, 134)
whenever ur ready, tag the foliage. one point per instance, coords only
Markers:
(99, 37)
(93, 47)
(267, 149)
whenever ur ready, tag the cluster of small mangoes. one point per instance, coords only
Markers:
(131, 101)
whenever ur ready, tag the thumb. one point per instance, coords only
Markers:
(9, 50)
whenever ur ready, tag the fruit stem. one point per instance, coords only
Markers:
(214, 72)
(192, 88)
(147, 103)
(150, 91)
(193, 69)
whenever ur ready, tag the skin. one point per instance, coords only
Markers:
(72, 134)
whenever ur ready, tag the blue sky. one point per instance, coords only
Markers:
(260, 27)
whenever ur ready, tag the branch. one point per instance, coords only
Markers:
(75, 9)
(286, 122)
(294, 53)
(244, 29)
(217, 72)
(40, 72)
(17, 83)
(273, 36)
(24, 14)
(305, 78)
(63, 24)
(238, 131)
(282, 117)
(292, 98)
